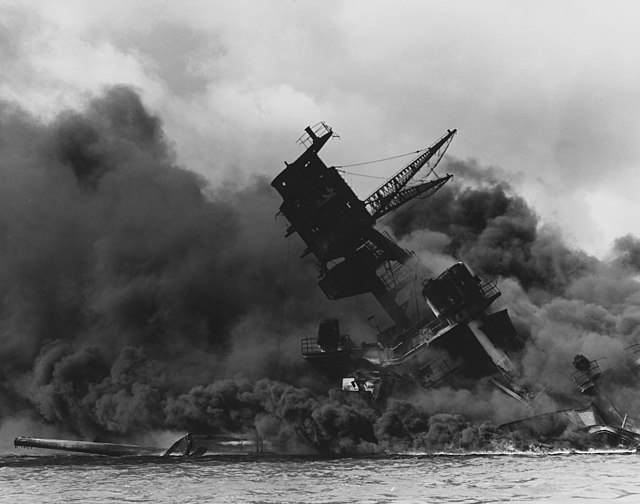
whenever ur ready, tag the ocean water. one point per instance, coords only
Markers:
(478, 478)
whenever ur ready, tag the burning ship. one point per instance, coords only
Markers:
(454, 336)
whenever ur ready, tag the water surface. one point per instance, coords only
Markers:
(478, 478)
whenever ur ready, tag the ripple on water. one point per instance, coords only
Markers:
(444, 479)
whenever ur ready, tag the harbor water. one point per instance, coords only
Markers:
(477, 478)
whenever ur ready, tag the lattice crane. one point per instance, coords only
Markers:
(392, 194)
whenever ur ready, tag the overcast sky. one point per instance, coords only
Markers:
(547, 91)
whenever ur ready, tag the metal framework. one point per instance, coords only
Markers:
(390, 196)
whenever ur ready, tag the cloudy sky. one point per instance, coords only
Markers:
(548, 92)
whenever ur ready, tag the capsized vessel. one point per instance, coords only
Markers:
(454, 336)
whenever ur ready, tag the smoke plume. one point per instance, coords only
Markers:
(134, 297)
(126, 280)
(563, 301)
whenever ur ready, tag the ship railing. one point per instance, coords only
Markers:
(426, 335)
(435, 326)
(310, 346)
(489, 289)
(585, 380)
(319, 130)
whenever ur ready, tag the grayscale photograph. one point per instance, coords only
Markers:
(292, 251)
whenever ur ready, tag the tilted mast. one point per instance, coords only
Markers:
(338, 228)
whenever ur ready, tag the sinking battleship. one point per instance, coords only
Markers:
(455, 338)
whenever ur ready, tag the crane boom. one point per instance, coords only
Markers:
(379, 201)
(401, 197)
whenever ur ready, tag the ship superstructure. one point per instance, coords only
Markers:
(453, 337)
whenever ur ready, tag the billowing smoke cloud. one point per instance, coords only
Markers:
(563, 302)
(125, 280)
(135, 298)
(495, 231)
(627, 252)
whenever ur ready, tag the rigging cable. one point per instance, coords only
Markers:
(340, 169)
(381, 160)
(360, 174)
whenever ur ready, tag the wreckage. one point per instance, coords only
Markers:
(452, 335)
(190, 445)
(601, 421)
(454, 338)
(440, 329)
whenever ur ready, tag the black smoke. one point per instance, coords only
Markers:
(562, 300)
(125, 280)
(626, 252)
(135, 298)
(495, 231)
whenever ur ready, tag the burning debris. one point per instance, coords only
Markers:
(136, 300)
